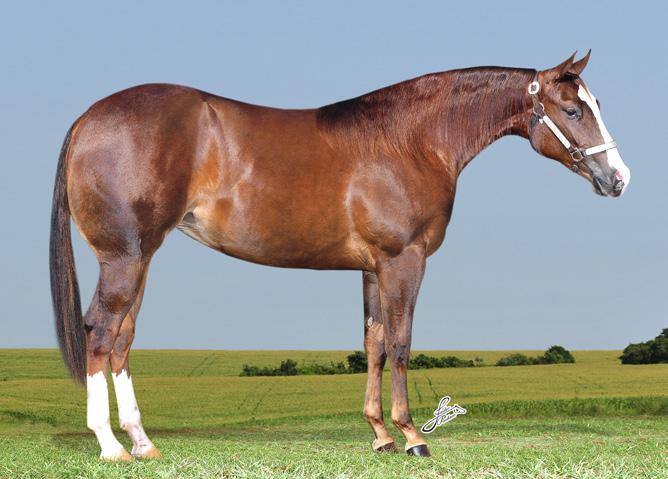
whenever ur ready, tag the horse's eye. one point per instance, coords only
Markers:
(572, 113)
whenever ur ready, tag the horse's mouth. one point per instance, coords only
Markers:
(605, 189)
(598, 188)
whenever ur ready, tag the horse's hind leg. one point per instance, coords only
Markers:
(374, 346)
(120, 281)
(128, 410)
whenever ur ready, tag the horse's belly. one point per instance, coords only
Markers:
(276, 238)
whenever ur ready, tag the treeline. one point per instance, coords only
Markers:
(422, 361)
(357, 363)
(554, 355)
(650, 352)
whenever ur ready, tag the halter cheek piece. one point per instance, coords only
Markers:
(577, 154)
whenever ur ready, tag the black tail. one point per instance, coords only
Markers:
(64, 285)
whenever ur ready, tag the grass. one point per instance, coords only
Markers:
(595, 418)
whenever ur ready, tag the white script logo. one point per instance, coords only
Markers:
(444, 413)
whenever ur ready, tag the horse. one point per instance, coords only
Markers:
(365, 184)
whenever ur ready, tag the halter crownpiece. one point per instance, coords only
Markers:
(577, 154)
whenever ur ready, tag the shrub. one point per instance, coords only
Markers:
(558, 354)
(316, 368)
(288, 368)
(422, 361)
(514, 360)
(357, 362)
(554, 355)
(249, 370)
(660, 349)
(455, 362)
(650, 352)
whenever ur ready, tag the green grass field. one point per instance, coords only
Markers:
(592, 419)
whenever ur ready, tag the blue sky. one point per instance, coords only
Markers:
(532, 256)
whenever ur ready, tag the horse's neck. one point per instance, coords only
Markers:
(452, 115)
(480, 106)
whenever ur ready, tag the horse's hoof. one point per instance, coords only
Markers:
(119, 456)
(420, 450)
(152, 453)
(389, 447)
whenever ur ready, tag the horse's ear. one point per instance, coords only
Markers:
(554, 74)
(580, 65)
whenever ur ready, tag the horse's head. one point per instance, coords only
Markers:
(566, 125)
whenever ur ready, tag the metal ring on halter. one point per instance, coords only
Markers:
(534, 88)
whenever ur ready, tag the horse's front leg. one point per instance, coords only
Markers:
(374, 346)
(399, 279)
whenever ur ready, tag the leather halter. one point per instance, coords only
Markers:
(576, 153)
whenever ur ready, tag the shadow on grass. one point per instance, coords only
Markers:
(346, 429)
(598, 417)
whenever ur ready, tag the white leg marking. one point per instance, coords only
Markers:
(614, 158)
(128, 413)
(98, 417)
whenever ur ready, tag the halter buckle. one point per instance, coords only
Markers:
(576, 154)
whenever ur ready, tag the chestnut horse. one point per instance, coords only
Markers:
(365, 184)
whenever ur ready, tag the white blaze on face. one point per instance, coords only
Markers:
(614, 159)
(128, 413)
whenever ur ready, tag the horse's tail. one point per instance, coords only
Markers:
(64, 285)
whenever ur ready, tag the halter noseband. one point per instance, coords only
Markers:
(577, 154)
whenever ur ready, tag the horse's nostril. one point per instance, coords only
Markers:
(618, 184)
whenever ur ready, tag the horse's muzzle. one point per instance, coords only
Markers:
(604, 187)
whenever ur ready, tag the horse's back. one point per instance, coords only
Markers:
(261, 184)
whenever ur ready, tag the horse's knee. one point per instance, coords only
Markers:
(399, 352)
(375, 349)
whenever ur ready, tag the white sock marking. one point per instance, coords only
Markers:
(128, 413)
(614, 158)
(98, 416)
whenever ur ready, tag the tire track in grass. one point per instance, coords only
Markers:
(259, 402)
(205, 367)
(417, 390)
(245, 399)
(194, 369)
(431, 386)
(202, 364)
